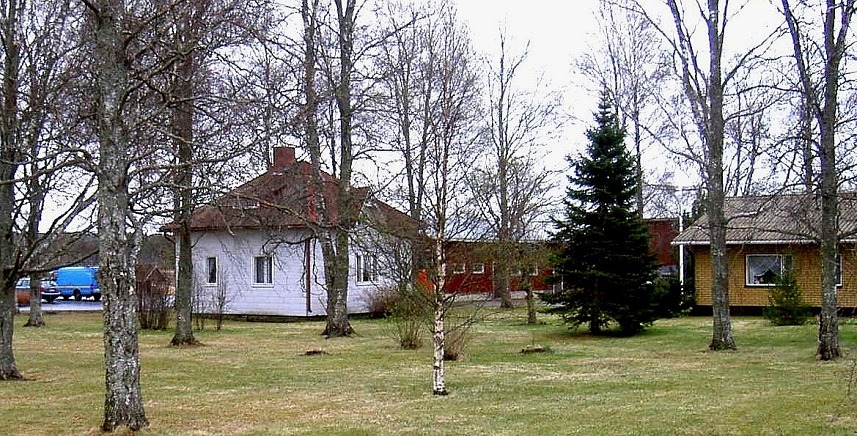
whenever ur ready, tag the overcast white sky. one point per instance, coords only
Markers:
(558, 32)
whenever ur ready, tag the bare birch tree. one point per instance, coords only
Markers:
(197, 29)
(704, 88)
(432, 92)
(454, 117)
(186, 36)
(513, 185)
(190, 45)
(819, 62)
(338, 51)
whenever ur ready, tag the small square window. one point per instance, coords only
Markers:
(457, 268)
(477, 268)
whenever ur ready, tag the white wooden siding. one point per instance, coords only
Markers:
(286, 296)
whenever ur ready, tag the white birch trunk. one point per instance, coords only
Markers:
(438, 381)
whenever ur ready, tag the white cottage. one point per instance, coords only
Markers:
(254, 252)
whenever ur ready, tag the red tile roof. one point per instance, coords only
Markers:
(282, 198)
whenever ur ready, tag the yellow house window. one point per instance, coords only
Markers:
(766, 269)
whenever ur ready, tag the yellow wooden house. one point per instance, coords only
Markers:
(768, 236)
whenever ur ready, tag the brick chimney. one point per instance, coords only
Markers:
(283, 157)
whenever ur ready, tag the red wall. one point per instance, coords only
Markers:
(469, 254)
(661, 233)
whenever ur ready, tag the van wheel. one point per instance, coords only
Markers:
(77, 296)
(96, 297)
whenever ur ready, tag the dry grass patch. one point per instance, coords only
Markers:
(253, 378)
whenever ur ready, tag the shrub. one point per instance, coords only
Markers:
(381, 302)
(153, 306)
(406, 311)
(671, 298)
(785, 302)
(408, 316)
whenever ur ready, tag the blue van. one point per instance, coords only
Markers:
(78, 282)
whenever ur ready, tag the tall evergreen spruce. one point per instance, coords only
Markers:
(605, 264)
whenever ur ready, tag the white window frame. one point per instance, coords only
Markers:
(208, 271)
(268, 271)
(458, 268)
(365, 275)
(477, 268)
(534, 271)
(785, 261)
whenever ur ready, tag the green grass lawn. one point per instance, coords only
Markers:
(252, 378)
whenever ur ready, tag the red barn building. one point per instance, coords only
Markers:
(470, 267)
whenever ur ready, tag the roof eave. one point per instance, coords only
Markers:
(757, 242)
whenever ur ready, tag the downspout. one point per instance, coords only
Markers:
(308, 277)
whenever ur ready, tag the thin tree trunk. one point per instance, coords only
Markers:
(595, 321)
(337, 292)
(638, 164)
(8, 166)
(806, 145)
(183, 115)
(502, 273)
(438, 378)
(35, 318)
(37, 200)
(502, 270)
(338, 324)
(828, 328)
(824, 108)
(123, 402)
(531, 301)
(8, 369)
(184, 289)
(722, 324)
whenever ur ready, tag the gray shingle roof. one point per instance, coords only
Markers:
(775, 219)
